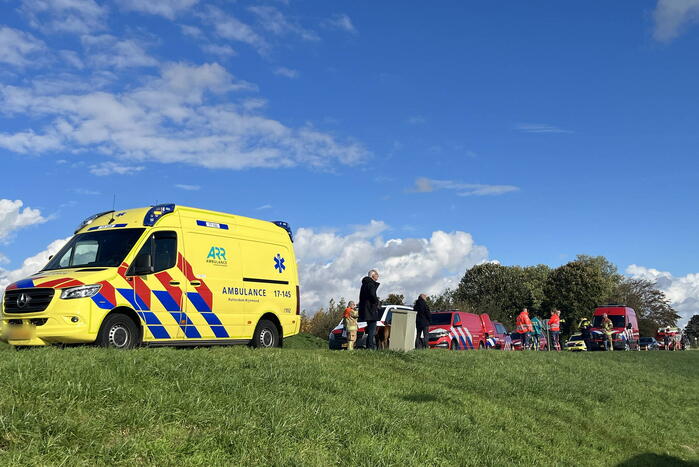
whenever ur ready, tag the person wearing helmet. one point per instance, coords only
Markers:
(608, 328)
(585, 326)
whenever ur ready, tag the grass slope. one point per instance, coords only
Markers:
(86, 406)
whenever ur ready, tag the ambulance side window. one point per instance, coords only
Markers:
(162, 247)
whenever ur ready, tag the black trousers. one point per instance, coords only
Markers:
(421, 341)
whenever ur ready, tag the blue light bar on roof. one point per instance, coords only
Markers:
(285, 226)
(156, 212)
(91, 219)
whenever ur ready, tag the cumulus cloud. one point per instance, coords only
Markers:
(683, 292)
(672, 17)
(18, 47)
(113, 168)
(106, 51)
(13, 217)
(30, 265)
(426, 185)
(167, 8)
(73, 16)
(332, 265)
(181, 116)
(341, 22)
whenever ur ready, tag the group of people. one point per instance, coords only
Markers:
(531, 330)
(368, 310)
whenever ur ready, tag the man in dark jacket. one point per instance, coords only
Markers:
(369, 307)
(422, 321)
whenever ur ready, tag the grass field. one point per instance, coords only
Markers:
(304, 405)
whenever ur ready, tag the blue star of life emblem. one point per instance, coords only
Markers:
(279, 263)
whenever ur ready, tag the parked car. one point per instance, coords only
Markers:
(648, 343)
(502, 337)
(336, 341)
(517, 341)
(625, 335)
(456, 330)
(576, 343)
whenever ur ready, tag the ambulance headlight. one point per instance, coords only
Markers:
(83, 291)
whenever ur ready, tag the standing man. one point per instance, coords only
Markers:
(608, 327)
(369, 306)
(585, 327)
(350, 318)
(523, 326)
(422, 321)
(555, 328)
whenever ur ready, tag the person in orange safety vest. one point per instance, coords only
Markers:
(555, 328)
(523, 326)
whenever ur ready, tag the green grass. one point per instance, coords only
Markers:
(237, 406)
(305, 341)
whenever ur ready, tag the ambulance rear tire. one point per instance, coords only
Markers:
(118, 331)
(266, 335)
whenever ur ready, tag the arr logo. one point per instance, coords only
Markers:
(217, 256)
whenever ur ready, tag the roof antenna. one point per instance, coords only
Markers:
(113, 206)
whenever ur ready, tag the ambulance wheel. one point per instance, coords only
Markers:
(266, 335)
(118, 331)
(453, 345)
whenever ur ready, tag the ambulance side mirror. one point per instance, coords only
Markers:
(143, 265)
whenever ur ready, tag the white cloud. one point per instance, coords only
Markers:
(672, 17)
(683, 292)
(171, 119)
(167, 8)
(264, 206)
(13, 217)
(539, 128)
(188, 187)
(416, 120)
(275, 22)
(72, 58)
(74, 16)
(341, 22)
(18, 47)
(287, 72)
(106, 51)
(229, 27)
(112, 168)
(218, 50)
(30, 265)
(426, 185)
(332, 265)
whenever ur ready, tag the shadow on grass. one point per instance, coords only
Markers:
(651, 459)
(419, 397)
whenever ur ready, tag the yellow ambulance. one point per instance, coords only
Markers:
(163, 275)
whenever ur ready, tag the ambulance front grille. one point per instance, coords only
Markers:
(27, 300)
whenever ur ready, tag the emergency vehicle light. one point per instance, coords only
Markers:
(90, 220)
(156, 212)
(285, 226)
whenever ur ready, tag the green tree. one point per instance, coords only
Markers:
(578, 287)
(394, 299)
(323, 321)
(692, 329)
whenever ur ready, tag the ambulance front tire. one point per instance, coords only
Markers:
(266, 335)
(118, 331)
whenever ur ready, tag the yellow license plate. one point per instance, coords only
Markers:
(20, 333)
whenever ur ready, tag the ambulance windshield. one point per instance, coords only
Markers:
(100, 249)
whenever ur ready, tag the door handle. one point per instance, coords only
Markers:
(174, 283)
(195, 283)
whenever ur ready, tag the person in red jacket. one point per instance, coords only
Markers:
(523, 326)
(555, 328)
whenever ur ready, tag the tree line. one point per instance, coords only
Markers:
(576, 288)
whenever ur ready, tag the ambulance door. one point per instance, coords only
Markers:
(212, 265)
(159, 286)
(267, 275)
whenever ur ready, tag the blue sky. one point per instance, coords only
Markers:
(541, 129)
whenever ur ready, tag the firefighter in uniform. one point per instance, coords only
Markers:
(350, 322)
(523, 325)
(607, 327)
(585, 327)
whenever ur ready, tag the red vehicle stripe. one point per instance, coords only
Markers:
(203, 289)
(108, 292)
(71, 283)
(175, 292)
(55, 283)
(136, 283)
